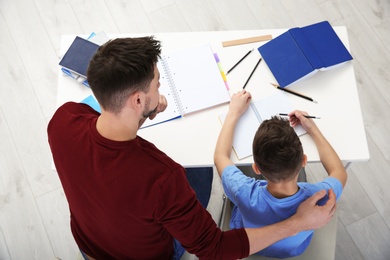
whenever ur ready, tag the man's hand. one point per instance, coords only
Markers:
(311, 216)
(162, 105)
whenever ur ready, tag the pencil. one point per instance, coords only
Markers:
(250, 76)
(294, 93)
(314, 117)
(238, 62)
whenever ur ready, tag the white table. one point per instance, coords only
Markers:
(191, 140)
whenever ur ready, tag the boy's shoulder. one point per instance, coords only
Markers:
(326, 184)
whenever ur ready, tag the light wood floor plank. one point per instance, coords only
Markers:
(129, 16)
(235, 15)
(94, 16)
(168, 19)
(374, 110)
(20, 221)
(23, 112)
(200, 15)
(4, 255)
(154, 5)
(299, 14)
(270, 14)
(55, 216)
(372, 234)
(377, 188)
(377, 15)
(346, 248)
(29, 37)
(354, 203)
(58, 19)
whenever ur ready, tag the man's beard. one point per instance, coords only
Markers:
(147, 113)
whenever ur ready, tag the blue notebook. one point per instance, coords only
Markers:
(77, 57)
(300, 52)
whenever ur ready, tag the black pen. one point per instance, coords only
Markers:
(314, 117)
(294, 93)
(250, 76)
(238, 62)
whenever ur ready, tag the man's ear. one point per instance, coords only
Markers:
(136, 100)
(256, 169)
(304, 160)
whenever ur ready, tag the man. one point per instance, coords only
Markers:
(127, 198)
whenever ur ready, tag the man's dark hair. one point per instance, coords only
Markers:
(277, 150)
(120, 67)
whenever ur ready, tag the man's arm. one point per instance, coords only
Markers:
(238, 105)
(329, 158)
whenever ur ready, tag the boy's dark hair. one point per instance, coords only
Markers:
(277, 150)
(120, 67)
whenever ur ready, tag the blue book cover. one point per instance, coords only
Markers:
(302, 51)
(77, 57)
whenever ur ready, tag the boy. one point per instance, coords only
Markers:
(278, 156)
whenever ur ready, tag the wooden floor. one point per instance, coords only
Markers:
(34, 218)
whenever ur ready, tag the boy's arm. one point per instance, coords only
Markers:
(328, 156)
(238, 105)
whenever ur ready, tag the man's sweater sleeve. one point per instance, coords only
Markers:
(184, 217)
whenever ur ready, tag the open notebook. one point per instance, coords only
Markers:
(191, 81)
(250, 121)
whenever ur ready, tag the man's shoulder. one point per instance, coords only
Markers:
(160, 158)
(69, 113)
(74, 107)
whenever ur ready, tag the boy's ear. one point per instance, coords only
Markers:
(304, 160)
(255, 169)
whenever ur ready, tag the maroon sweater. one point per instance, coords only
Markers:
(128, 200)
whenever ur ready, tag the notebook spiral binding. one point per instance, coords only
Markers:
(165, 65)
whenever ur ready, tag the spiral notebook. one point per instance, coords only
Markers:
(191, 81)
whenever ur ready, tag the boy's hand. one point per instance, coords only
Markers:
(298, 117)
(239, 103)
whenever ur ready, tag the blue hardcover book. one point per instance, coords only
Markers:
(299, 52)
(77, 57)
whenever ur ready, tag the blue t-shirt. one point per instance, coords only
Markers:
(256, 207)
